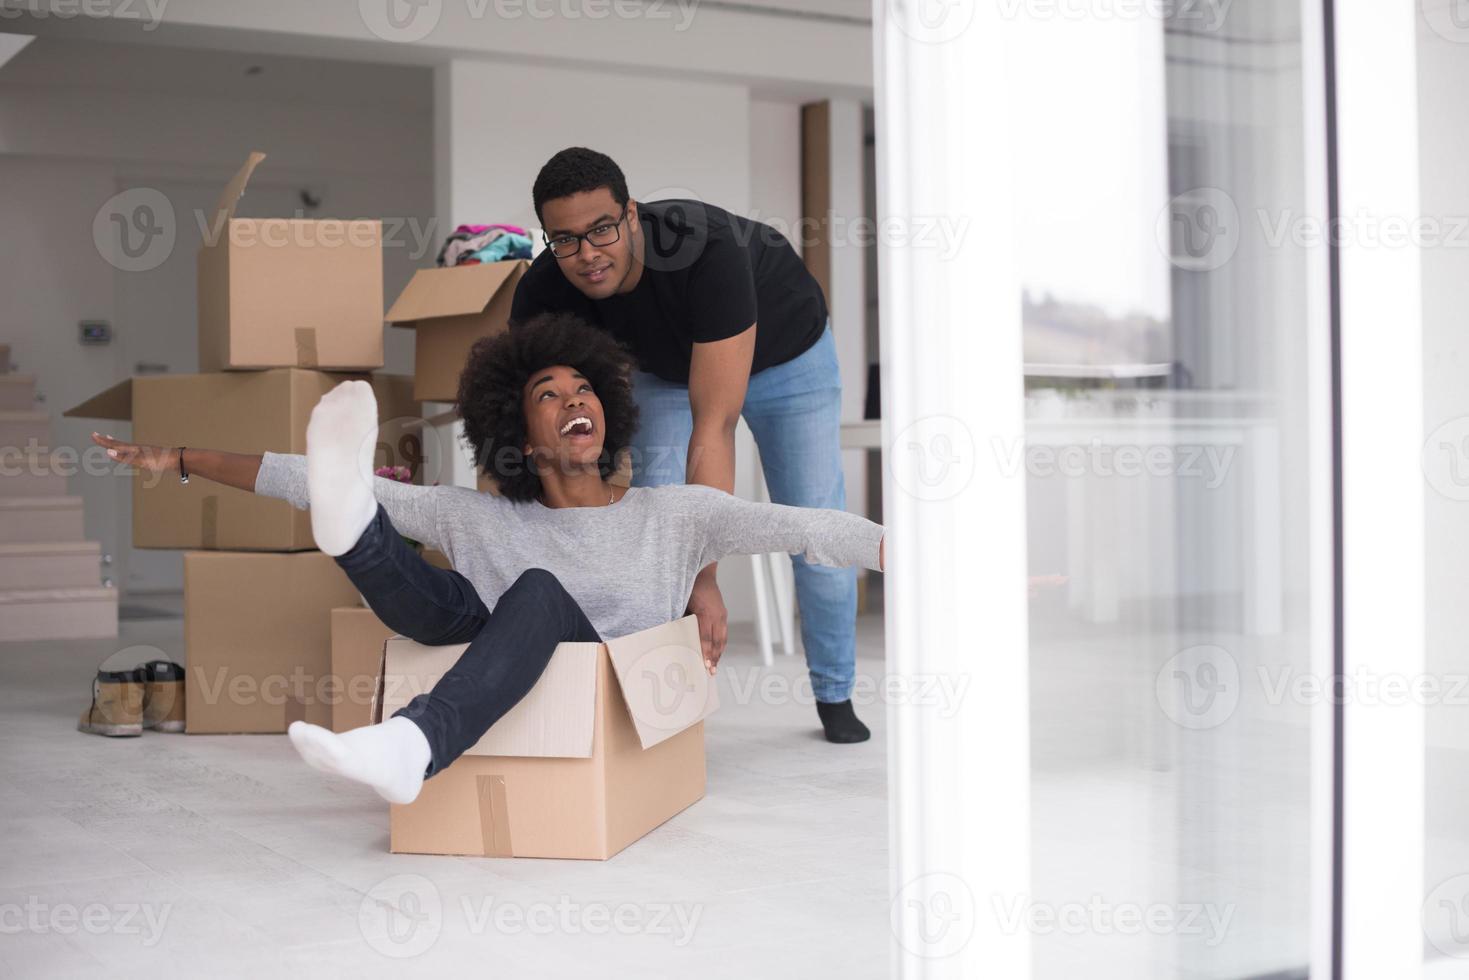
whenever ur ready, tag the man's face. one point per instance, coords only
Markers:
(563, 418)
(599, 271)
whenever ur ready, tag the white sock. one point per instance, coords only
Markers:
(340, 440)
(390, 757)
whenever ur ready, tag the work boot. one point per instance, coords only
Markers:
(163, 696)
(117, 703)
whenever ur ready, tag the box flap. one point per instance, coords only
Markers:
(225, 208)
(459, 291)
(555, 719)
(114, 403)
(664, 682)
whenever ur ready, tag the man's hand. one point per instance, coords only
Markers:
(706, 603)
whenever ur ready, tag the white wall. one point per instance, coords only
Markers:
(775, 163)
(690, 137)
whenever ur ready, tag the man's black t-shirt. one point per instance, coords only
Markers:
(707, 275)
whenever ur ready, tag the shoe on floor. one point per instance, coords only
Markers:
(163, 696)
(117, 704)
(841, 723)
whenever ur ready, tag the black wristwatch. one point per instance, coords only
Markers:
(183, 472)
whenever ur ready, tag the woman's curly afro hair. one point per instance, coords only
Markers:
(493, 383)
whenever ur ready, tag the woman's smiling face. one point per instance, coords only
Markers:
(563, 418)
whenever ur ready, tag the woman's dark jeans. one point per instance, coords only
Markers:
(508, 648)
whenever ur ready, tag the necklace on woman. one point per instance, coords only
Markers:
(611, 498)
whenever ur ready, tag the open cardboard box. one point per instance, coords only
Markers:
(289, 292)
(607, 745)
(241, 412)
(450, 309)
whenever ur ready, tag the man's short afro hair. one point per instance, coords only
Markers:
(574, 170)
(493, 383)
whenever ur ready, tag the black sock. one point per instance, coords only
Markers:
(841, 722)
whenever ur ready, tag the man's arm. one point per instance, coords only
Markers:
(719, 373)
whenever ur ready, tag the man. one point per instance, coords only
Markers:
(725, 321)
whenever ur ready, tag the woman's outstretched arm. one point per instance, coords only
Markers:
(231, 469)
(734, 526)
(412, 509)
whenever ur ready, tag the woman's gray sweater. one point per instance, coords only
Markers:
(629, 565)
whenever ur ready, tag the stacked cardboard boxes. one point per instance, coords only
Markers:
(50, 577)
(288, 309)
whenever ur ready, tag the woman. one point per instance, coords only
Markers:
(562, 555)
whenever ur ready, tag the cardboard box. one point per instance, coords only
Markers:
(288, 292)
(357, 656)
(257, 639)
(242, 412)
(450, 309)
(607, 745)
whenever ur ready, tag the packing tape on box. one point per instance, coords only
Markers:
(209, 522)
(494, 816)
(306, 347)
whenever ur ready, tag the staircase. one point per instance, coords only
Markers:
(49, 574)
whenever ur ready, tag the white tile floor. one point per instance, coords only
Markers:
(226, 856)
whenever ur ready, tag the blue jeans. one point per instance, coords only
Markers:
(794, 410)
(508, 648)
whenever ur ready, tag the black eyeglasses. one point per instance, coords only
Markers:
(565, 246)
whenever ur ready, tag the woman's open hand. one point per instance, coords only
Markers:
(147, 459)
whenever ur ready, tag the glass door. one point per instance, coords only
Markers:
(1163, 215)
(1145, 188)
